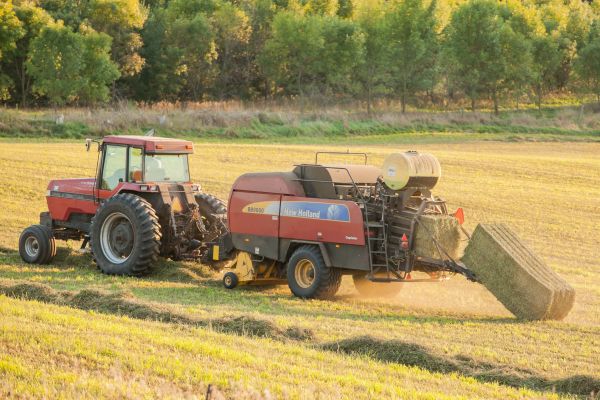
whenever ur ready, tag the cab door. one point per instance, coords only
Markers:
(120, 163)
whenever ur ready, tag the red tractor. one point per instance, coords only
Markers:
(140, 205)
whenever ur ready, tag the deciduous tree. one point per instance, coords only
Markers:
(587, 64)
(411, 35)
(70, 66)
(11, 30)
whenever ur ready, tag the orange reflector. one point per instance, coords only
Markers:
(460, 215)
(189, 146)
(404, 243)
(159, 147)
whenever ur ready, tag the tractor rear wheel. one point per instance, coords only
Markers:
(37, 245)
(214, 215)
(125, 235)
(308, 277)
(368, 288)
(210, 206)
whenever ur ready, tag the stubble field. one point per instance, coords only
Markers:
(172, 333)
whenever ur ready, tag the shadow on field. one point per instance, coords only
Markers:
(415, 355)
(5, 251)
(127, 305)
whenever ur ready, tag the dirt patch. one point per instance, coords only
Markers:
(125, 304)
(415, 355)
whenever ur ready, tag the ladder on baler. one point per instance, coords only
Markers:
(377, 246)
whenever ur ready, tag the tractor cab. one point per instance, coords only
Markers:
(141, 159)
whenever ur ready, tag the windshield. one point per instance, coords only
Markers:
(166, 167)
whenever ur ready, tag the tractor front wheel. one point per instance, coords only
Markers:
(368, 288)
(308, 277)
(37, 245)
(125, 235)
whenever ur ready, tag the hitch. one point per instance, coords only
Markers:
(460, 268)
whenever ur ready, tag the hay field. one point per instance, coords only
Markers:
(173, 333)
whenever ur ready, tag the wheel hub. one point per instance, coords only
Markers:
(117, 238)
(305, 273)
(32, 246)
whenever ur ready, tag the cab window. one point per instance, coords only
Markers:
(135, 165)
(115, 161)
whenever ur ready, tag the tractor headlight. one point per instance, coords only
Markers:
(148, 188)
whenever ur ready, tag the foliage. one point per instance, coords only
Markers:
(412, 34)
(291, 56)
(587, 64)
(68, 66)
(416, 51)
(485, 54)
(11, 30)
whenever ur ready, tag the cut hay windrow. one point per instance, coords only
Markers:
(518, 277)
(125, 304)
(445, 229)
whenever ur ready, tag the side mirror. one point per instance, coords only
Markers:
(88, 144)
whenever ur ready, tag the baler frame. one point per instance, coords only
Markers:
(444, 264)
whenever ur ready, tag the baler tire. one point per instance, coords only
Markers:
(326, 282)
(42, 239)
(230, 280)
(145, 229)
(367, 288)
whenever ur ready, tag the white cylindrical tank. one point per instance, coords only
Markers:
(411, 169)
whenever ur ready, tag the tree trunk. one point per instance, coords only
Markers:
(495, 98)
(472, 104)
(403, 102)
(369, 111)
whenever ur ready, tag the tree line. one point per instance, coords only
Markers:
(86, 52)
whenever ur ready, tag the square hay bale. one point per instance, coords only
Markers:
(445, 229)
(518, 277)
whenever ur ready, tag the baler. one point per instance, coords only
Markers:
(311, 225)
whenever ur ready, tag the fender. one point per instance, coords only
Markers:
(284, 249)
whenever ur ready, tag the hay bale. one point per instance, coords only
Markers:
(444, 228)
(518, 277)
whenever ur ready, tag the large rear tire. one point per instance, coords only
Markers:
(211, 206)
(368, 288)
(125, 235)
(308, 277)
(213, 212)
(37, 245)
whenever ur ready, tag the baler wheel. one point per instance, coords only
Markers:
(308, 277)
(125, 235)
(368, 288)
(230, 280)
(37, 245)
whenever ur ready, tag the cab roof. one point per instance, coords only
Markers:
(152, 144)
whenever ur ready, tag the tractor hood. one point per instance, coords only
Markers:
(73, 188)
